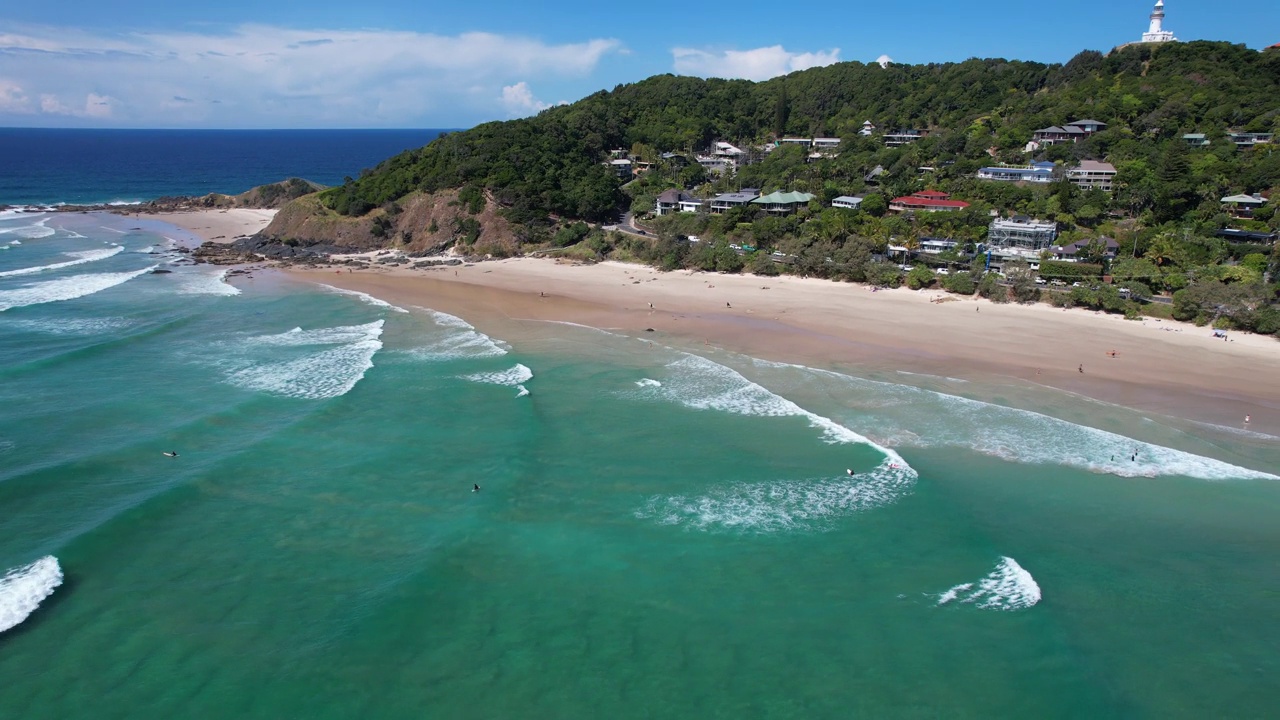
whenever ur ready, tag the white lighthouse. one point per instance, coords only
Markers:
(1157, 33)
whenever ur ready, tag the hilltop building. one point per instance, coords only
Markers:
(1156, 32)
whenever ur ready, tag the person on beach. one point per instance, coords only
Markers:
(1247, 418)
(1081, 368)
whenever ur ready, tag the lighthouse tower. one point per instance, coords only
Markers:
(1157, 33)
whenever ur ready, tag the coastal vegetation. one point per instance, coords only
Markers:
(548, 176)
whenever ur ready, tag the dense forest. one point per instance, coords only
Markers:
(549, 170)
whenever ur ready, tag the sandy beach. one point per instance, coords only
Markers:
(1160, 366)
(222, 226)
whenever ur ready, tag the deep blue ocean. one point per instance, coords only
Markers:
(49, 166)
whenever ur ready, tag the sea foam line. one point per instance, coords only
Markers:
(514, 377)
(1007, 587)
(22, 590)
(927, 418)
(67, 288)
(85, 256)
(364, 297)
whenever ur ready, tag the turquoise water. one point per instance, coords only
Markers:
(662, 531)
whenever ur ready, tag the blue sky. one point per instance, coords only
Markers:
(401, 63)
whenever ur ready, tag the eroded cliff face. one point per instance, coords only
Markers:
(420, 224)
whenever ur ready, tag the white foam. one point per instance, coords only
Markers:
(111, 229)
(364, 297)
(326, 374)
(460, 340)
(703, 384)
(925, 418)
(14, 242)
(783, 505)
(322, 336)
(23, 589)
(146, 250)
(67, 288)
(523, 391)
(648, 382)
(202, 282)
(30, 232)
(85, 256)
(1007, 587)
(514, 377)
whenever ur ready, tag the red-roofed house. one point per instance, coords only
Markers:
(926, 201)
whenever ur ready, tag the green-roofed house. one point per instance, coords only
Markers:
(780, 203)
(1196, 139)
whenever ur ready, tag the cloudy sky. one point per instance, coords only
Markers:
(401, 63)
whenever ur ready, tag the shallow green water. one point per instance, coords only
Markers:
(658, 534)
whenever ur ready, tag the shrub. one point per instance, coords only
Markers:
(960, 283)
(920, 277)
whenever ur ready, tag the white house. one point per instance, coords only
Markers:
(1093, 175)
(848, 202)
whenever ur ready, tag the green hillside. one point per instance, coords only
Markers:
(546, 172)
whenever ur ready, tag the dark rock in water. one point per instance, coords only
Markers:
(159, 271)
(648, 329)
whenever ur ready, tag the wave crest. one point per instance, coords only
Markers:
(23, 589)
(1007, 587)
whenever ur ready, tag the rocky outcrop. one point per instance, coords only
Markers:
(418, 225)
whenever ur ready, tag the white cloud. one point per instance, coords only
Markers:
(256, 75)
(758, 64)
(12, 98)
(519, 100)
(884, 61)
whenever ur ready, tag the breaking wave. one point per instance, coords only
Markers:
(86, 256)
(1007, 587)
(515, 377)
(916, 417)
(23, 589)
(784, 505)
(73, 326)
(30, 232)
(67, 288)
(456, 339)
(205, 283)
(364, 297)
(319, 375)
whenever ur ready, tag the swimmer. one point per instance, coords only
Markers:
(475, 488)
(171, 453)
(850, 471)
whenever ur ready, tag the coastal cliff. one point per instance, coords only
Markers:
(419, 224)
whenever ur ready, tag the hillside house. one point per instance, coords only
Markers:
(1243, 206)
(848, 202)
(1196, 140)
(926, 201)
(674, 201)
(722, 203)
(898, 138)
(1248, 140)
(1093, 175)
(1038, 173)
(826, 143)
(1071, 132)
(780, 203)
(622, 167)
(1071, 253)
(867, 129)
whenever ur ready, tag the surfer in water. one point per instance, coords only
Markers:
(171, 453)
(849, 471)
(475, 488)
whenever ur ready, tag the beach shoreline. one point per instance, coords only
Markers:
(1165, 367)
(222, 225)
